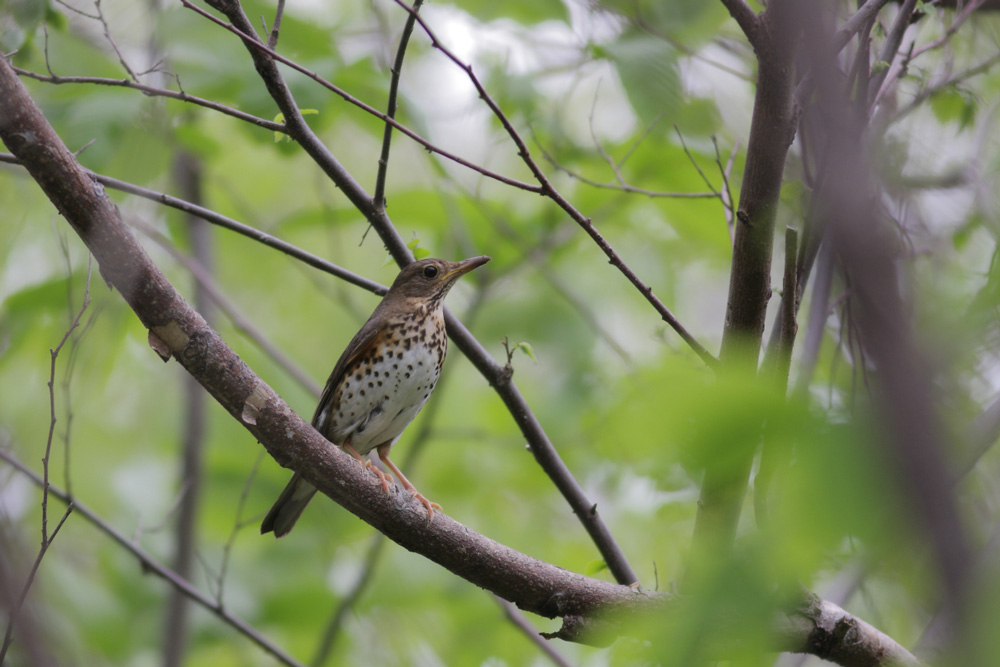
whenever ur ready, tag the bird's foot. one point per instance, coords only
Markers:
(431, 506)
(384, 477)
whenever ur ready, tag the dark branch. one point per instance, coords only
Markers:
(150, 564)
(390, 111)
(177, 331)
(153, 91)
(745, 18)
(539, 442)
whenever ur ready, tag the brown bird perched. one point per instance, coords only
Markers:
(382, 379)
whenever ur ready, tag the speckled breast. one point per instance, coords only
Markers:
(384, 390)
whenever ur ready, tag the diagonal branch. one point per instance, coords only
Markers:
(177, 331)
(857, 22)
(745, 18)
(545, 188)
(153, 566)
(244, 30)
(153, 91)
(498, 376)
(771, 132)
(390, 111)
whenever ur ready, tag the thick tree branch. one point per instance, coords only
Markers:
(498, 376)
(177, 330)
(771, 132)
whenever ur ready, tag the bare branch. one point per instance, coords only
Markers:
(272, 40)
(111, 40)
(292, 113)
(876, 85)
(517, 619)
(861, 18)
(397, 71)
(15, 610)
(546, 189)
(232, 225)
(745, 18)
(154, 91)
(153, 566)
(771, 132)
(495, 374)
(179, 332)
(726, 194)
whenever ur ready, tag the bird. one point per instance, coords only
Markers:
(382, 380)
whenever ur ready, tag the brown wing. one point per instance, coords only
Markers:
(358, 347)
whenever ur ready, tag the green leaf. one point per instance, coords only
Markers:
(647, 68)
(954, 105)
(414, 246)
(595, 567)
(527, 349)
(280, 118)
(521, 11)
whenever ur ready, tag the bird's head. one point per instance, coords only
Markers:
(430, 279)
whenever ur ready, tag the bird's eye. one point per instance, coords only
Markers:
(430, 271)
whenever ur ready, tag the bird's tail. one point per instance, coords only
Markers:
(288, 508)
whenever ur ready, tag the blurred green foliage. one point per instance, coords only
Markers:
(595, 92)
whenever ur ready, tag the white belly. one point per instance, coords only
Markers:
(391, 399)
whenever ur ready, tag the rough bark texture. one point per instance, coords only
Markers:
(773, 35)
(590, 608)
(177, 331)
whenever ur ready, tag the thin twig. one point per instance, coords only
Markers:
(964, 13)
(518, 620)
(397, 70)
(46, 538)
(238, 524)
(951, 81)
(880, 80)
(638, 140)
(545, 188)
(725, 193)
(631, 189)
(694, 163)
(153, 566)
(8, 638)
(154, 91)
(111, 41)
(53, 356)
(232, 225)
(272, 40)
(255, 43)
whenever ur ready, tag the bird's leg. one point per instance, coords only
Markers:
(383, 453)
(383, 477)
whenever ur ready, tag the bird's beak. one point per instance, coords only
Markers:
(466, 265)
